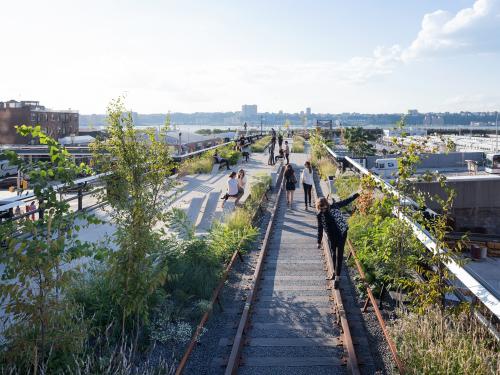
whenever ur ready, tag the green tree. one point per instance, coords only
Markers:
(40, 260)
(356, 140)
(141, 165)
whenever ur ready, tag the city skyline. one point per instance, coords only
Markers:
(193, 56)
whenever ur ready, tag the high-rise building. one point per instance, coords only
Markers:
(56, 124)
(248, 110)
(308, 111)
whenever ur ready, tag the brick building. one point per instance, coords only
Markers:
(56, 124)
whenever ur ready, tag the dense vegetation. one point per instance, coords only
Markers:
(357, 141)
(205, 162)
(298, 143)
(261, 144)
(211, 131)
(126, 306)
(432, 336)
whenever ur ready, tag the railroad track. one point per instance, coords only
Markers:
(293, 321)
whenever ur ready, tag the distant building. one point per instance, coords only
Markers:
(308, 111)
(56, 124)
(413, 112)
(248, 110)
(431, 119)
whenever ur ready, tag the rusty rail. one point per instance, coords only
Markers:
(234, 357)
(380, 318)
(213, 300)
(352, 360)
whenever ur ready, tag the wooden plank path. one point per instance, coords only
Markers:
(293, 329)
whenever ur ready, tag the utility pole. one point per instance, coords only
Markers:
(261, 119)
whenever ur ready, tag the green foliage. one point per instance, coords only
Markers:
(347, 184)
(236, 233)
(210, 131)
(202, 164)
(141, 166)
(326, 168)
(356, 140)
(260, 185)
(39, 260)
(376, 239)
(443, 342)
(260, 145)
(205, 162)
(298, 143)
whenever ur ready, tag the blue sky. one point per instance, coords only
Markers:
(334, 56)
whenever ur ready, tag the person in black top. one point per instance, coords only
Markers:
(221, 161)
(271, 160)
(290, 180)
(280, 140)
(331, 220)
(281, 155)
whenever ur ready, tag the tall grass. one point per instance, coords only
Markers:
(445, 343)
(326, 167)
(205, 162)
(298, 143)
(202, 164)
(346, 185)
(261, 144)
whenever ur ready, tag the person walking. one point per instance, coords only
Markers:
(287, 153)
(331, 221)
(280, 139)
(290, 181)
(232, 190)
(271, 160)
(306, 178)
(245, 152)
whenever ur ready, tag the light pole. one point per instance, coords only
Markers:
(261, 119)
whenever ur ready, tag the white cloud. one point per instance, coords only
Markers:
(470, 30)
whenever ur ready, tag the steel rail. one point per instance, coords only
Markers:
(352, 360)
(234, 357)
(215, 298)
(380, 318)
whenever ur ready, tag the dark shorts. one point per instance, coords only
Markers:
(290, 186)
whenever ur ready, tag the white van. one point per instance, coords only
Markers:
(6, 169)
(492, 163)
(386, 167)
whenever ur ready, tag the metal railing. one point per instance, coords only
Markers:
(80, 184)
(481, 292)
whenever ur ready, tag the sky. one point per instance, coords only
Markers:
(206, 56)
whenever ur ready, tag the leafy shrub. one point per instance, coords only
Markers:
(298, 143)
(230, 154)
(438, 342)
(235, 233)
(261, 144)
